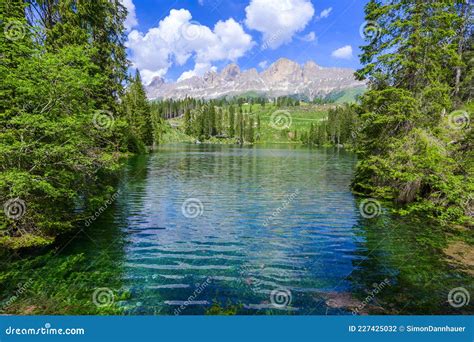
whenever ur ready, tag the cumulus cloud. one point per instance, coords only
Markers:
(310, 37)
(325, 13)
(344, 52)
(278, 20)
(131, 20)
(177, 38)
(199, 70)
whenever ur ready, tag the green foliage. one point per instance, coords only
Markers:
(337, 129)
(411, 150)
(219, 310)
(63, 132)
(137, 113)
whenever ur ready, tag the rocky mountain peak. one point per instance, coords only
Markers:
(284, 66)
(310, 65)
(284, 77)
(230, 72)
(283, 70)
(156, 81)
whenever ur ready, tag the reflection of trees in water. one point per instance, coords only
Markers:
(409, 254)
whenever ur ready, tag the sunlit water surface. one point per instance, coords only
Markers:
(201, 229)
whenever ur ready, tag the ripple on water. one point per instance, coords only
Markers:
(270, 218)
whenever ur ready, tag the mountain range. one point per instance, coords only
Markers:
(282, 78)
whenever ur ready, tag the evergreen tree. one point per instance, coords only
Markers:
(231, 122)
(62, 134)
(137, 112)
(413, 65)
(187, 122)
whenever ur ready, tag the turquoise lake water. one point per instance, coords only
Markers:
(198, 229)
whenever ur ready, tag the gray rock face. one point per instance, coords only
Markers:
(284, 77)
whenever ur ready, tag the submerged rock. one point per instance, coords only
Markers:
(346, 301)
(461, 254)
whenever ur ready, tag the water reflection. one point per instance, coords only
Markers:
(276, 231)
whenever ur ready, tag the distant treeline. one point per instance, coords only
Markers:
(339, 128)
(223, 118)
(171, 108)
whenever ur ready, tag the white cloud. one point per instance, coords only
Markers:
(131, 20)
(148, 75)
(278, 20)
(325, 13)
(177, 38)
(344, 52)
(310, 37)
(199, 70)
(263, 64)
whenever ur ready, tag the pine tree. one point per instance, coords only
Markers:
(412, 64)
(231, 122)
(212, 120)
(137, 111)
(187, 122)
(250, 130)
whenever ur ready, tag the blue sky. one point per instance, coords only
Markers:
(182, 38)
